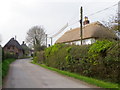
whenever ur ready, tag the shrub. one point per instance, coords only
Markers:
(55, 56)
(99, 60)
(102, 64)
(112, 63)
(39, 58)
(77, 57)
(8, 55)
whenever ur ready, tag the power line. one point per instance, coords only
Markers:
(73, 23)
(95, 13)
(61, 30)
(72, 18)
(102, 10)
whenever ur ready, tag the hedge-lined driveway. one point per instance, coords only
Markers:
(23, 74)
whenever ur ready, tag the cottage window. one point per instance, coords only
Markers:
(8, 47)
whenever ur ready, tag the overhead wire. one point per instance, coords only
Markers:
(61, 30)
(102, 10)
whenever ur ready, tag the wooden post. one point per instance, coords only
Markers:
(81, 20)
(46, 40)
(51, 41)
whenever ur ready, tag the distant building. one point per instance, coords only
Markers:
(26, 50)
(13, 47)
(91, 33)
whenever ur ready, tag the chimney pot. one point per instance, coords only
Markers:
(23, 42)
(86, 21)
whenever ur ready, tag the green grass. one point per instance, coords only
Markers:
(89, 80)
(5, 66)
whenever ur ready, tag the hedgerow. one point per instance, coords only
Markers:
(99, 60)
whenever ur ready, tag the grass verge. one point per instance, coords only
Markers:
(5, 66)
(89, 80)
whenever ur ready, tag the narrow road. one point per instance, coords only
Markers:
(23, 74)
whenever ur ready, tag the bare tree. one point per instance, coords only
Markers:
(36, 37)
(112, 23)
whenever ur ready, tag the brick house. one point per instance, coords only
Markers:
(13, 47)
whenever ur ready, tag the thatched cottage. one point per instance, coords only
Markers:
(91, 33)
(13, 47)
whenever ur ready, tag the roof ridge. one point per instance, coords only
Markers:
(13, 42)
(93, 23)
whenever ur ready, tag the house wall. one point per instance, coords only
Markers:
(85, 42)
(20, 54)
(13, 50)
(88, 41)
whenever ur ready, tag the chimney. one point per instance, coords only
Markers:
(23, 42)
(15, 37)
(12, 38)
(86, 21)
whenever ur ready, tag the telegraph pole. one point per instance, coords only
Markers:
(51, 40)
(46, 40)
(119, 16)
(81, 20)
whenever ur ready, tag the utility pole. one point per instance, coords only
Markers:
(15, 37)
(51, 40)
(119, 16)
(81, 20)
(46, 40)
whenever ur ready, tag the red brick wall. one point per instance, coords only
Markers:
(13, 50)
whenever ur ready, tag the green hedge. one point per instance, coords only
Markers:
(89, 80)
(7, 55)
(5, 66)
(99, 60)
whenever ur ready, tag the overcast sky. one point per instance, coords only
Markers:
(18, 16)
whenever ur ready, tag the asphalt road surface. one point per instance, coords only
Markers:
(23, 74)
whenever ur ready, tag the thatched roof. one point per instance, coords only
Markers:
(93, 30)
(13, 42)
